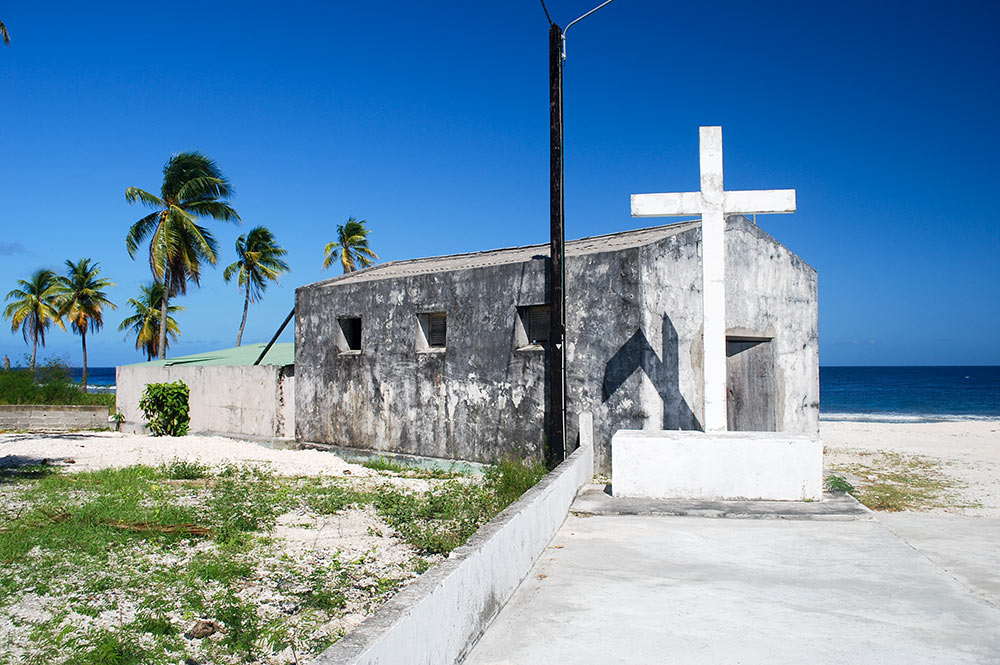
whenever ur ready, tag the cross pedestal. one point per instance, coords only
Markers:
(713, 203)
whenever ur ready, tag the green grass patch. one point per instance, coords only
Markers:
(894, 482)
(179, 469)
(330, 499)
(127, 560)
(109, 647)
(387, 464)
(443, 517)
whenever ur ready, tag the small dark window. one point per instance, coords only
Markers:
(351, 329)
(437, 328)
(536, 323)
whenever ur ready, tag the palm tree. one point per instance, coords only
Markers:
(145, 322)
(35, 308)
(258, 260)
(351, 245)
(4, 34)
(193, 187)
(82, 301)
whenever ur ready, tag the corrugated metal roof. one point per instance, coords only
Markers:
(279, 354)
(591, 245)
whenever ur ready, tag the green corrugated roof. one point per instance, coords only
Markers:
(279, 354)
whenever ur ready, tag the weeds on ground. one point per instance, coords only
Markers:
(120, 563)
(443, 517)
(894, 482)
(389, 465)
(834, 483)
(179, 469)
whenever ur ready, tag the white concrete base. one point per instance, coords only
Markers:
(716, 465)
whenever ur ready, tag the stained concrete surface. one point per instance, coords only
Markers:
(598, 500)
(655, 589)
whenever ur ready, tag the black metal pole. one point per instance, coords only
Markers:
(556, 440)
(275, 338)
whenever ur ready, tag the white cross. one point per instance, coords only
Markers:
(713, 203)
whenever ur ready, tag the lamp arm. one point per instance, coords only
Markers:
(570, 24)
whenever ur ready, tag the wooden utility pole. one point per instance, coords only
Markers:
(555, 445)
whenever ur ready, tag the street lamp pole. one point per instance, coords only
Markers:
(555, 448)
(556, 440)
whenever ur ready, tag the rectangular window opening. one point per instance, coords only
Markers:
(432, 331)
(437, 327)
(534, 323)
(350, 334)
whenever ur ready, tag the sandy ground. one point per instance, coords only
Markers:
(968, 450)
(98, 450)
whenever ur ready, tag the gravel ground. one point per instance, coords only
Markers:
(356, 548)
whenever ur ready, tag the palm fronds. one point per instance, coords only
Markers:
(351, 247)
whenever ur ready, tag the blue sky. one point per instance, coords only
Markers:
(430, 120)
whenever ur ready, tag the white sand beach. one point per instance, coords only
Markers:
(968, 451)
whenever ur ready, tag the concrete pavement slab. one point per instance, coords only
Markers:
(642, 589)
(967, 548)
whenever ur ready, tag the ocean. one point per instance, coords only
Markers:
(909, 394)
(98, 378)
(913, 394)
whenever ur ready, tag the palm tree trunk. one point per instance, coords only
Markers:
(163, 311)
(246, 304)
(83, 377)
(34, 348)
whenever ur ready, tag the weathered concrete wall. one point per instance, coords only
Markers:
(633, 347)
(770, 292)
(247, 400)
(52, 417)
(473, 400)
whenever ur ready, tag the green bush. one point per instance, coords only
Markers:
(48, 383)
(166, 407)
(838, 484)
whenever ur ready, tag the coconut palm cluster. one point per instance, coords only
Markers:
(178, 243)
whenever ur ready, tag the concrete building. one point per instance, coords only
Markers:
(444, 356)
(229, 394)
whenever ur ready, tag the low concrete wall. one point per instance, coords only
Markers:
(438, 618)
(717, 465)
(243, 400)
(40, 417)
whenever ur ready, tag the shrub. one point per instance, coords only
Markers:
(48, 383)
(838, 484)
(166, 407)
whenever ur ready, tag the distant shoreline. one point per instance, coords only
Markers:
(908, 418)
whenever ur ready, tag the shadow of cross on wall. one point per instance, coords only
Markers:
(637, 353)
